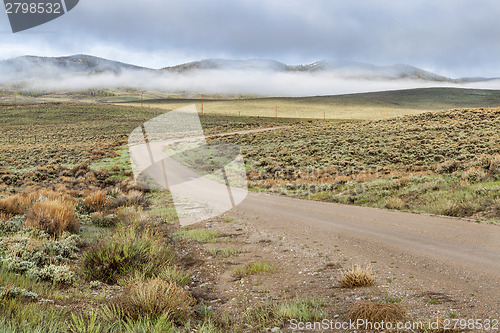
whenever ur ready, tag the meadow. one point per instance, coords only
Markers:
(365, 106)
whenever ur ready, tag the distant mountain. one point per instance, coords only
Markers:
(358, 70)
(26, 67)
(220, 64)
(33, 67)
(348, 70)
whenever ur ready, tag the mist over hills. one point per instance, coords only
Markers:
(348, 70)
(255, 76)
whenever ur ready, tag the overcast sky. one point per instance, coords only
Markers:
(451, 37)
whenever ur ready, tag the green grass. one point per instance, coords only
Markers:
(224, 252)
(122, 161)
(199, 235)
(175, 274)
(259, 267)
(128, 250)
(280, 313)
(433, 301)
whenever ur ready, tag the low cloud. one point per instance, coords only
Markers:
(262, 83)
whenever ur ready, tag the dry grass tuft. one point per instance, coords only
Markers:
(357, 277)
(95, 201)
(15, 204)
(134, 197)
(156, 298)
(377, 312)
(53, 216)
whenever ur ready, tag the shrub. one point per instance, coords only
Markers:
(357, 277)
(155, 298)
(460, 208)
(95, 201)
(278, 313)
(177, 275)
(474, 174)
(53, 217)
(14, 205)
(395, 203)
(258, 267)
(8, 227)
(56, 274)
(144, 251)
(132, 198)
(131, 215)
(377, 312)
(15, 292)
(41, 259)
(102, 220)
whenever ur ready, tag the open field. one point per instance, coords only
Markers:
(83, 250)
(445, 163)
(368, 106)
(68, 134)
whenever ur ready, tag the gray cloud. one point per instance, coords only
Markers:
(451, 37)
(233, 81)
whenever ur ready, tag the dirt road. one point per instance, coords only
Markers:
(428, 254)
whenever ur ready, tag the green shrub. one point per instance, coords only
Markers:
(41, 259)
(278, 313)
(125, 252)
(104, 221)
(258, 267)
(15, 292)
(175, 274)
(54, 273)
(8, 227)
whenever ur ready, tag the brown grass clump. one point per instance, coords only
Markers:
(15, 204)
(53, 216)
(48, 194)
(374, 312)
(96, 201)
(395, 203)
(134, 197)
(357, 277)
(155, 298)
